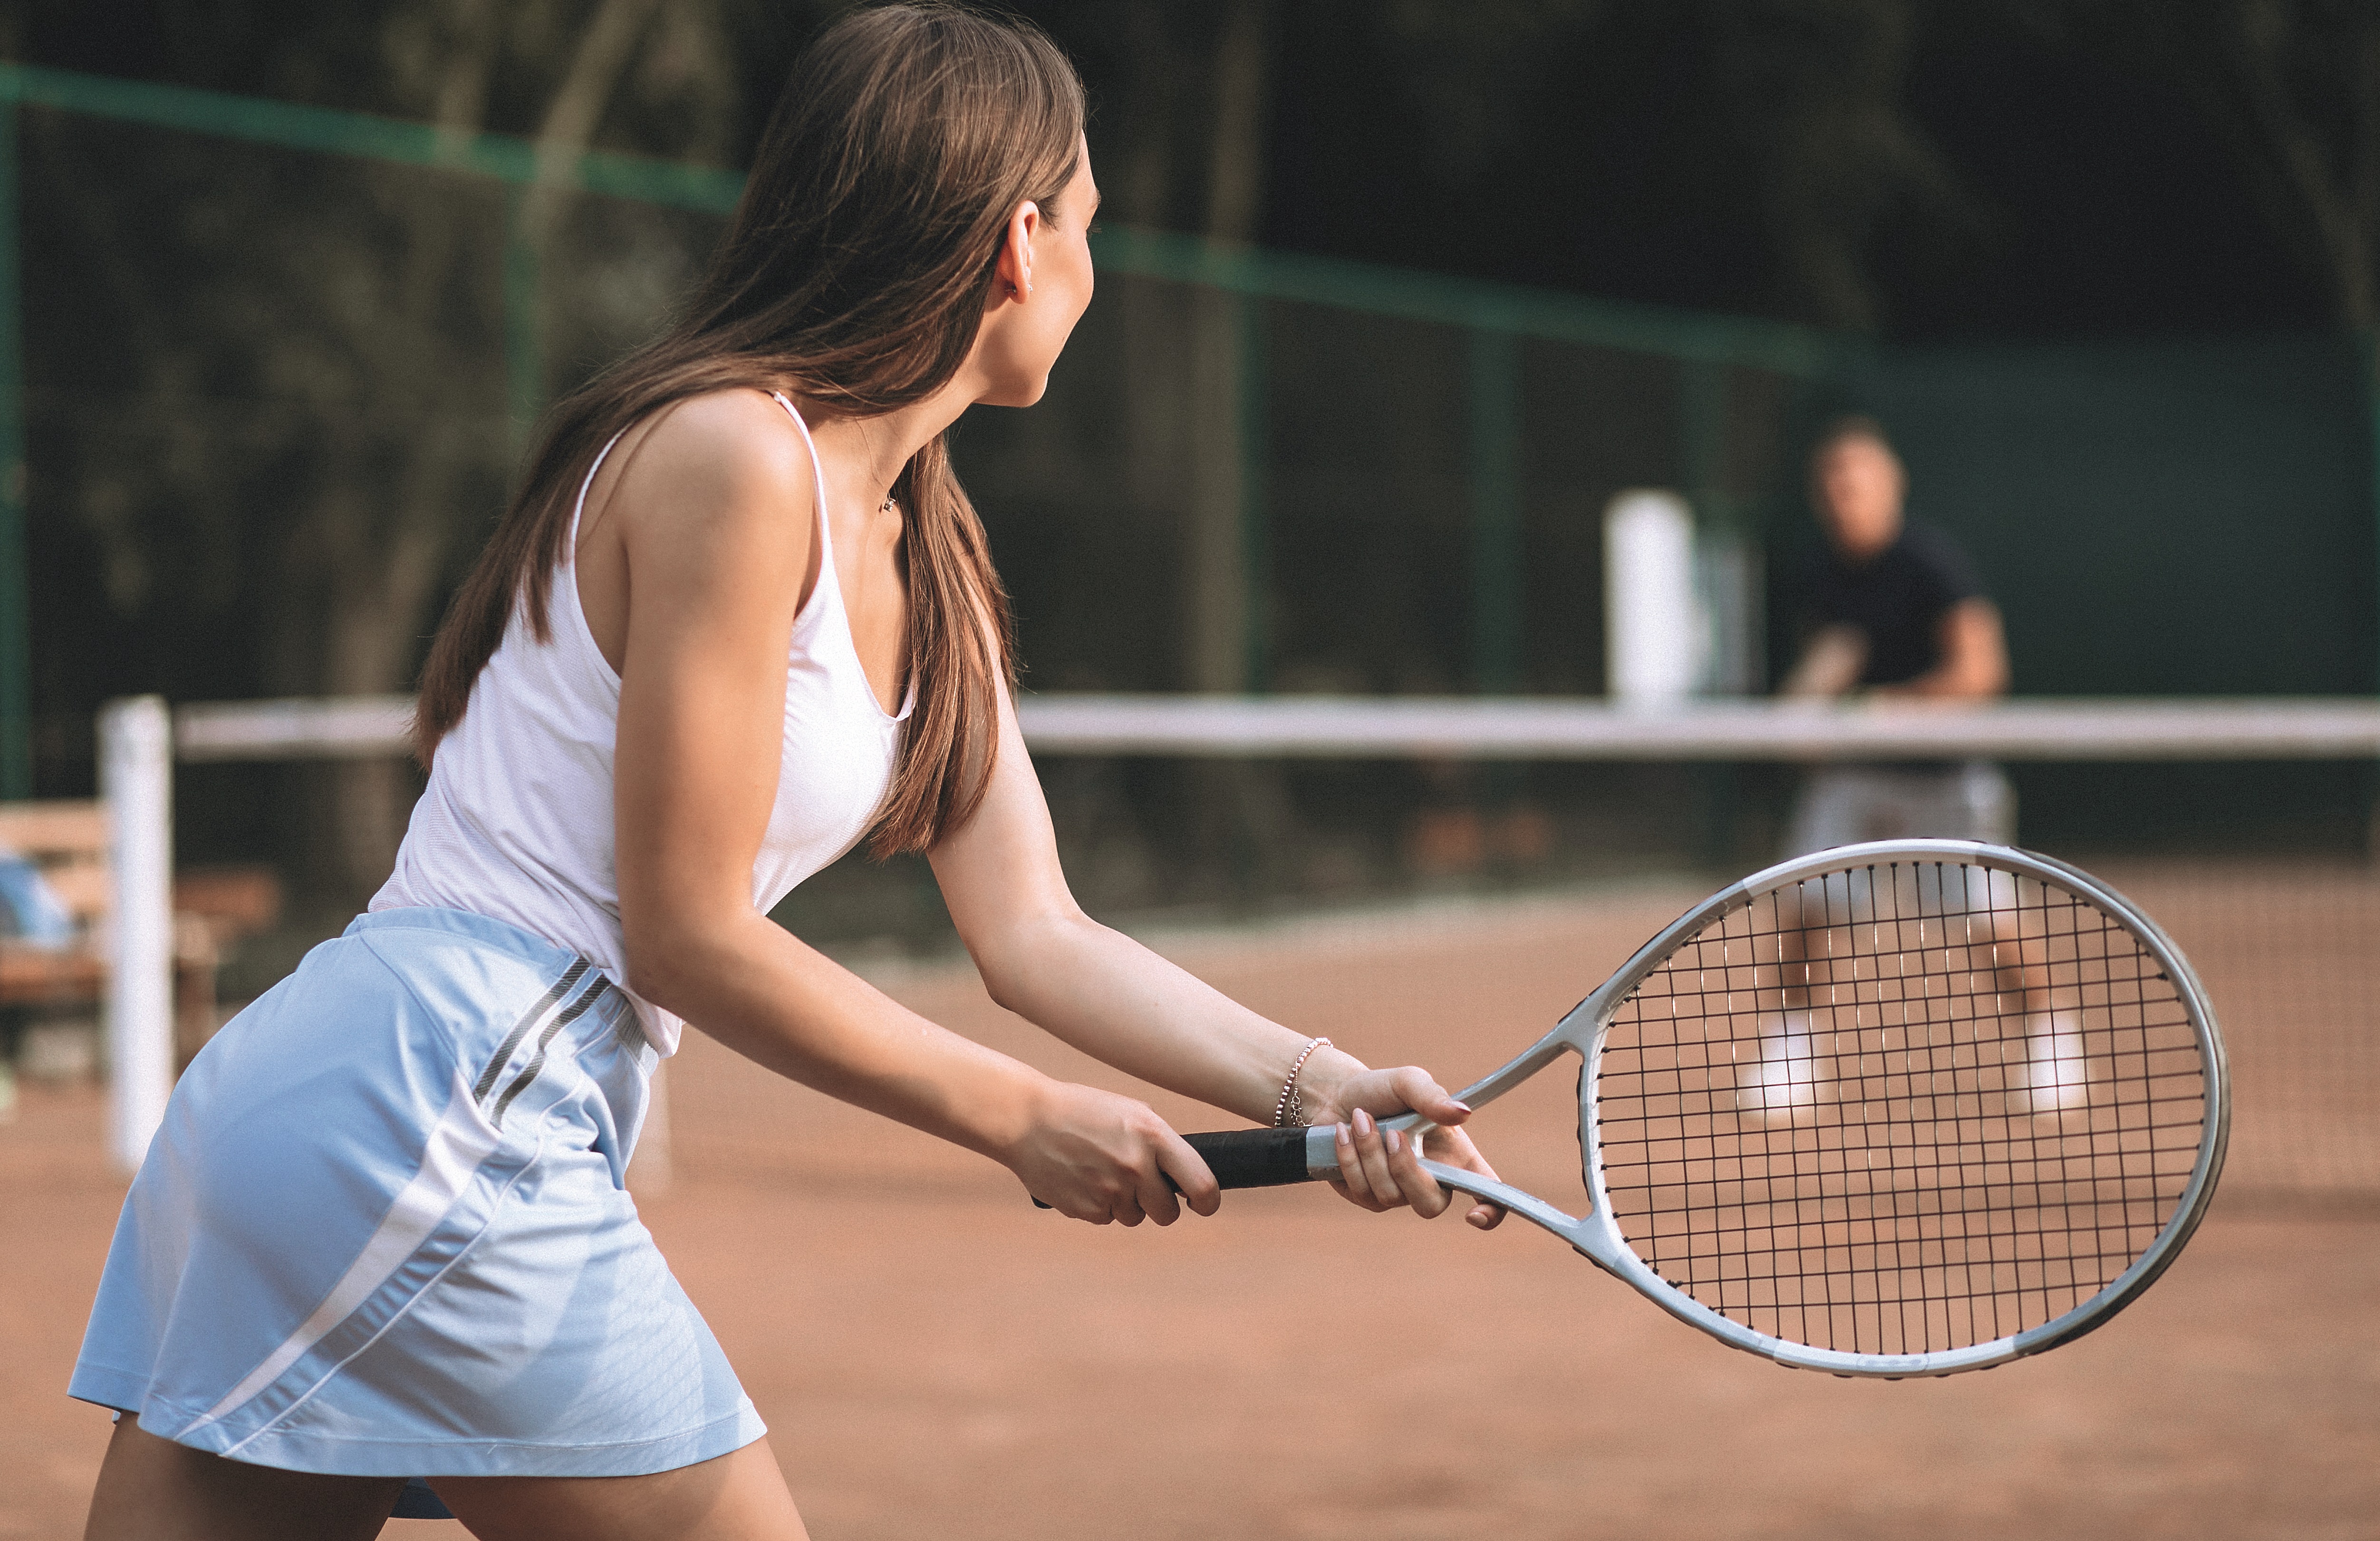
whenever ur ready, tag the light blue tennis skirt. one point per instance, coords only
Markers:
(384, 1231)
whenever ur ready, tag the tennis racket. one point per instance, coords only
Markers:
(1903, 1109)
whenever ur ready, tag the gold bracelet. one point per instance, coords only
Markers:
(1290, 1110)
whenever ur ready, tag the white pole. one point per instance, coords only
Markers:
(1653, 618)
(135, 778)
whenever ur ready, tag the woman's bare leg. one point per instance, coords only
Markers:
(151, 1489)
(737, 1496)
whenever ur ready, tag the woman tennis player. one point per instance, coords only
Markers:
(740, 616)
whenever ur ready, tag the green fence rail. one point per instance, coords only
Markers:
(1495, 316)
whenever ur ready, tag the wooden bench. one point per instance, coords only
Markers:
(68, 841)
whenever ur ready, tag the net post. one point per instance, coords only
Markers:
(16, 664)
(136, 781)
(1495, 453)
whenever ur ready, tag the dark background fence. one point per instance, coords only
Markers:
(277, 365)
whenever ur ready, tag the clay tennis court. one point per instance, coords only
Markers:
(936, 1357)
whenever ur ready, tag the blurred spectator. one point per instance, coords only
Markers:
(1892, 609)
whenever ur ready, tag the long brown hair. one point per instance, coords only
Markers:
(854, 275)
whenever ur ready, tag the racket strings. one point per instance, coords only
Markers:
(1900, 1109)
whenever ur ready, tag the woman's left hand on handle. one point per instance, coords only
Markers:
(1381, 1169)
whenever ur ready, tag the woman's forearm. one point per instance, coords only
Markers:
(776, 1001)
(1117, 1001)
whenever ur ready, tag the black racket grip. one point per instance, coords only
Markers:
(1248, 1157)
(1254, 1157)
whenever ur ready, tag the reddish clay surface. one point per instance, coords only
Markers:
(935, 1357)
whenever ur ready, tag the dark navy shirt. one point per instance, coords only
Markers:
(1896, 599)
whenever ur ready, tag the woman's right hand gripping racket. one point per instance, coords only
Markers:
(1902, 1108)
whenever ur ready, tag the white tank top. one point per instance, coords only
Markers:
(516, 821)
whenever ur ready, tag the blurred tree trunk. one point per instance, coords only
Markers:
(1153, 314)
(596, 67)
(383, 560)
(376, 563)
(1194, 156)
(1244, 804)
(1817, 89)
(1219, 561)
(2295, 88)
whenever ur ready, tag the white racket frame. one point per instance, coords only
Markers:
(1598, 1236)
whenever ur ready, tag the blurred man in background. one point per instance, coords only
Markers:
(1893, 610)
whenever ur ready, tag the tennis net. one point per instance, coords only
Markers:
(2243, 827)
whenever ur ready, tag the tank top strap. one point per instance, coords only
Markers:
(818, 481)
(579, 510)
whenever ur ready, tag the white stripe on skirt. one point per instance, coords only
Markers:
(462, 1139)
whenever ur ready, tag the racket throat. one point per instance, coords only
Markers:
(1597, 1242)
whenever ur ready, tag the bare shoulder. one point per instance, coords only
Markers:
(726, 460)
